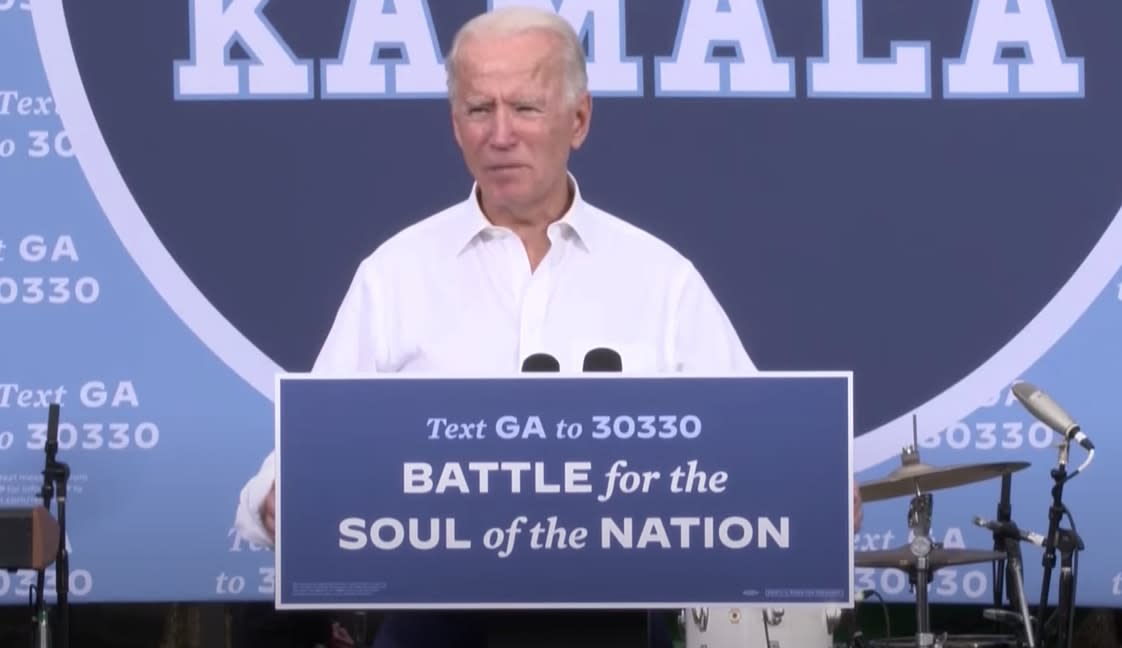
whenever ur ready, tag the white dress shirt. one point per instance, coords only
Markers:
(454, 293)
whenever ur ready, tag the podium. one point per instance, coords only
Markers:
(524, 496)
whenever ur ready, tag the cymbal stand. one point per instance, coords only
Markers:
(1004, 516)
(919, 522)
(1006, 539)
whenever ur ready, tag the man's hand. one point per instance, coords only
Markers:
(857, 513)
(340, 638)
(269, 512)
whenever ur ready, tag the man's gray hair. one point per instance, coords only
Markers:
(512, 20)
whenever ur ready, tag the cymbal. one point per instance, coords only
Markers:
(908, 478)
(902, 558)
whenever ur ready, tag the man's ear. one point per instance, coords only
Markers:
(582, 120)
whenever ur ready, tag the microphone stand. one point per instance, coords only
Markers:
(61, 473)
(1067, 541)
(41, 636)
(56, 475)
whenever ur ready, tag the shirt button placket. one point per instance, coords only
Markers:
(535, 300)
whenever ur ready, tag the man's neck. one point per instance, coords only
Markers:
(531, 223)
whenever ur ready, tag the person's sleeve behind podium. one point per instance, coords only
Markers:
(704, 339)
(248, 520)
(355, 344)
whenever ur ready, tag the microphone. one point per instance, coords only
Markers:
(52, 433)
(1011, 529)
(1041, 406)
(540, 362)
(602, 359)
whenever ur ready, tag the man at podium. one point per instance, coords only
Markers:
(522, 267)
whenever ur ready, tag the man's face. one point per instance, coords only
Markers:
(512, 120)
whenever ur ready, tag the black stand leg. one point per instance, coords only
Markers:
(1017, 597)
(1063, 621)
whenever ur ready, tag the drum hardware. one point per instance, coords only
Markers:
(700, 618)
(904, 559)
(914, 477)
(1004, 515)
(1006, 538)
(803, 627)
(951, 641)
(1009, 618)
(919, 521)
(922, 556)
(833, 619)
(773, 617)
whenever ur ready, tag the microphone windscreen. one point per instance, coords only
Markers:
(1041, 406)
(540, 362)
(603, 359)
(1024, 391)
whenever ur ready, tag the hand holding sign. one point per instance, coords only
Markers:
(269, 512)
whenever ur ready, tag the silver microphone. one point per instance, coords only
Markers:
(999, 527)
(1041, 406)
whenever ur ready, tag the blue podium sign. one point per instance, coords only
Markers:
(579, 492)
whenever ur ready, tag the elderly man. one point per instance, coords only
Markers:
(523, 265)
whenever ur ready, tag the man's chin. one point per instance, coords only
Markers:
(506, 196)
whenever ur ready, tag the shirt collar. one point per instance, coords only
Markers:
(472, 223)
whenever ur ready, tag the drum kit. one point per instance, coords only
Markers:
(920, 558)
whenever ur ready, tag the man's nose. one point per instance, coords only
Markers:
(503, 133)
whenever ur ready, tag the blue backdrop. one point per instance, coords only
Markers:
(924, 193)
